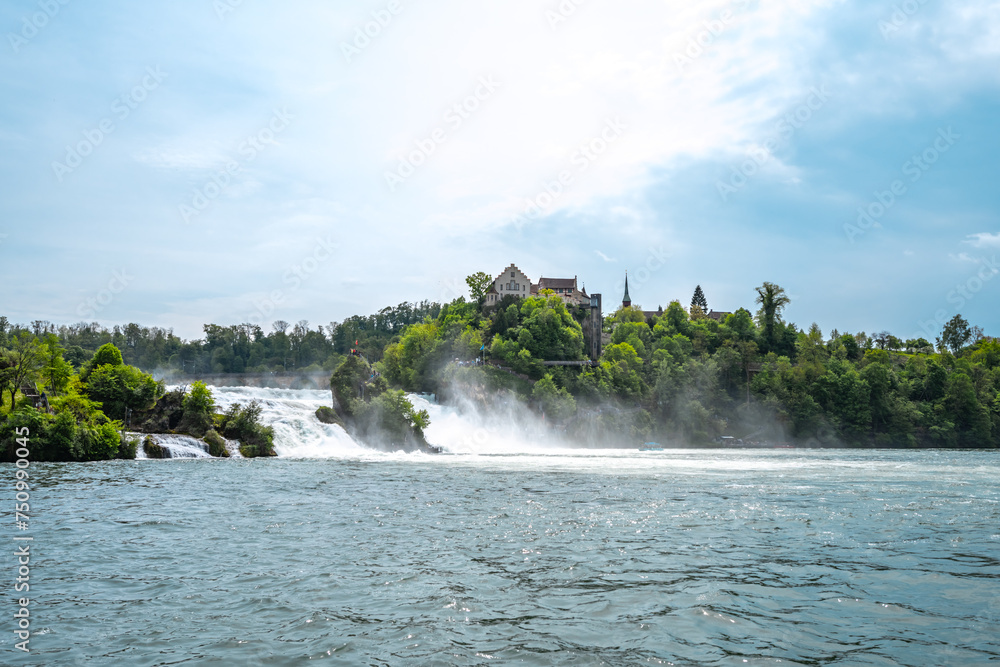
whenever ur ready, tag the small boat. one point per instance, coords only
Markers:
(651, 447)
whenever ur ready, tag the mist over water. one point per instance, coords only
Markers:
(505, 428)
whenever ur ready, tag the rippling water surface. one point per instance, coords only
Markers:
(587, 558)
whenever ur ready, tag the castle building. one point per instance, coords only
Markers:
(513, 281)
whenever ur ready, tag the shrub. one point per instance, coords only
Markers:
(216, 444)
(122, 388)
(243, 424)
(128, 447)
(346, 382)
(199, 407)
(95, 443)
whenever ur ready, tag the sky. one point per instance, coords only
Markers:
(228, 161)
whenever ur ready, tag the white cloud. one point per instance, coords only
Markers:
(984, 240)
(964, 258)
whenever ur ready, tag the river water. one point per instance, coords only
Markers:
(511, 550)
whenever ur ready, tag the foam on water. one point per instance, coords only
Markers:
(292, 414)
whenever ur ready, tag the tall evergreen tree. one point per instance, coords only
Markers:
(698, 299)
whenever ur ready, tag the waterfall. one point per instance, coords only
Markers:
(174, 446)
(506, 427)
(292, 414)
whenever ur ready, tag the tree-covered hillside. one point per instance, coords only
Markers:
(682, 377)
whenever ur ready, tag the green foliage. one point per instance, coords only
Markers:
(556, 403)
(479, 284)
(121, 389)
(548, 331)
(629, 314)
(698, 300)
(21, 364)
(216, 444)
(772, 300)
(622, 366)
(409, 362)
(107, 354)
(56, 371)
(128, 447)
(391, 419)
(742, 325)
(243, 423)
(199, 408)
(955, 335)
(348, 380)
(95, 443)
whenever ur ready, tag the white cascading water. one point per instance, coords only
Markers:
(292, 414)
(175, 446)
(508, 427)
(466, 429)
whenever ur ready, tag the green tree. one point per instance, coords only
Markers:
(56, 371)
(698, 300)
(555, 402)
(479, 285)
(107, 354)
(548, 331)
(22, 363)
(971, 418)
(392, 416)
(741, 324)
(122, 390)
(772, 300)
(955, 335)
(198, 406)
(243, 423)
(630, 314)
(623, 365)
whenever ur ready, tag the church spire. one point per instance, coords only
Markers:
(626, 300)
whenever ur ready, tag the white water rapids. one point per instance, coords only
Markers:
(507, 428)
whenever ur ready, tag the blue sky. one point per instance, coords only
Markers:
(226, 161)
